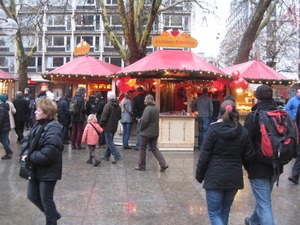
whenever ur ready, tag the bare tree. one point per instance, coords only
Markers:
(137, 18)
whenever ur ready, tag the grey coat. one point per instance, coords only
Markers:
(126, 114)
(150, 122)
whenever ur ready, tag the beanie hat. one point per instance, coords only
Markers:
(98, 95)
(3, 98)
(81, 91)
(263, 92)
(68, 95)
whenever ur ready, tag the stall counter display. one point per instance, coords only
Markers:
(244, 101)
(176, 132)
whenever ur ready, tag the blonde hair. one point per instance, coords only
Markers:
(92, 117)
(49, 107)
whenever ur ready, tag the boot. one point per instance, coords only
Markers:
(89, 161)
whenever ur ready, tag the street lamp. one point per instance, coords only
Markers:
(8, 26)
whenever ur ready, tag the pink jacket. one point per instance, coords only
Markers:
(90, 136)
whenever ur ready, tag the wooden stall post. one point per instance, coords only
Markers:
(157, 93)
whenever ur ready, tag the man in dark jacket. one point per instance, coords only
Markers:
(64, 115)
(138, 107)
(28, 96)
(100, 103)
(78, 120)
(260, 172)
(22, 108)
(5, 127)
(109, 121)
(90, 105)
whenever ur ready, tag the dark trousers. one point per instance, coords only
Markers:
(19, 128)
(65, 132)
(296, 167)
(77, 131)
(153, 147)
(40, 193)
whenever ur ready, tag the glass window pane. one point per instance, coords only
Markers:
(58, 61)
(58, 41)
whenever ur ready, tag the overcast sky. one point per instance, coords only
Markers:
(207, 34)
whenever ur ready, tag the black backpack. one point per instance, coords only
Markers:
(74, 108)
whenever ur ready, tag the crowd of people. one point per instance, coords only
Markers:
(226, 146)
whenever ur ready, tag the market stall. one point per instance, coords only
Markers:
(85, 71)
(7, 84)
(173, 77)
(256, 73)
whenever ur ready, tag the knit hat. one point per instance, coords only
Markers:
(263, 92)
(3, 98)
(81, 91)
(68, 95)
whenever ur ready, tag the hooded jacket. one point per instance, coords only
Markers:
(226, 148)
(263, 165)
(110, 116)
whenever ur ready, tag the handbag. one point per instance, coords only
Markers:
(26, 168)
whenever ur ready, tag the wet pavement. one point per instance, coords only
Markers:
(119, 195)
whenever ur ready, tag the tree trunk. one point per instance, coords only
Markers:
(251, 31)
(22, 72)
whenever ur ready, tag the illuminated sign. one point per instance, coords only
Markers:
(82, 48)
(174, 38)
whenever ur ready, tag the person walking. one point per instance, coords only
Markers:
(292, 105)
(126, 119)
(204, 106)
(64, 115)
(296, 167)
(138, 107)
(46, 159)
(5, 128)
(260, 171)
(109, 121)
(12, 110)
(149, 135)
(28, 96)
(78, 120)
(22, 109)
(227, 146)
(91, 137)
(100, 103)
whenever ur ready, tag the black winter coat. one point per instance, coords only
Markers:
(150, 122)
(81, 116)
(63, 113)
(138, 105)
(47, 156)
(226, 147)
(99, 109)
(110, 116)
(262, 166)
(22, 108)
(4, 118)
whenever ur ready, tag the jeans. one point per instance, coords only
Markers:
(138, 135)
(102, 139)
(40, 193)
(5, 141)
(126, 133)
(203, 123)
(111, 148)
(218, 205)
(65, 132)
(262, 189)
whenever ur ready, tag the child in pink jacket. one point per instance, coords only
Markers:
(91, 137)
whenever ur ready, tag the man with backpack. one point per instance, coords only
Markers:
(261, 172)
(77, 111)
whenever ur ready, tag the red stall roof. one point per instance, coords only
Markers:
(85, 66)
(6, 76)
(256, 71)
(174, 62)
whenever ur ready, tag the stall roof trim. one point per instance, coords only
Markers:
(257, 72)
(172, 64)
(85, 66)
(6, 76)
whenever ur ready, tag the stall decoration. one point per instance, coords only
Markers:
(238, 82)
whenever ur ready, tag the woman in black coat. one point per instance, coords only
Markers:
(46, 159)
(227, 146)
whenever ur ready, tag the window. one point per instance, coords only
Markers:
(84, 20)
(3, 41)
(56, 41)
(4, 61)
(114, 61)
(56, 20)
(115, 20)
(58, 61)
(88, 39)
(111, 2)
(28, 41)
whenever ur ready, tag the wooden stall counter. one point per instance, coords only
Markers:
(176, 132)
